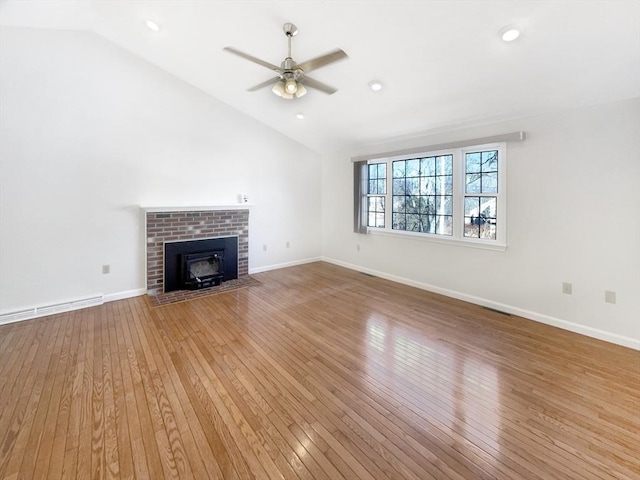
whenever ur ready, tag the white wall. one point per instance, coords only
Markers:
(89, 133)
(573, 203)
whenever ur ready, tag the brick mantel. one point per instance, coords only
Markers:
(170, 224)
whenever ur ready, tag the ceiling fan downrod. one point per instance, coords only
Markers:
(290, 30)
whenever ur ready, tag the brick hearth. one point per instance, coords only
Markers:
(170, 226)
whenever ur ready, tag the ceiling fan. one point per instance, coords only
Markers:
(292, 77)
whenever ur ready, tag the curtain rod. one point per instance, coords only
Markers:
(505, 137)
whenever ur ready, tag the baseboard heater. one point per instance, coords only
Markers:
(52, 309)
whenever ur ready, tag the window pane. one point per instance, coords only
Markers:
(413, 168)
(380, 220)
(413, 186)
(490, 161)
(427, 186)
(445, 225)
(398, 186)
(372, 187)
(412, 204)
(490, 182)
(471, 206)
(488, 231)
(428, 205)
(444, 205)
(373, 171)
(399, 221)
(428, 167)
(444, 185)
(471, 229)
(423, 205)
(398, 168)
(413, 223)
(381, 187)
(428, 224)
(472, 164)
(398, 204)
(382, 170)
(472, 183)
(488, 207)
(444, 165)
(372, 220)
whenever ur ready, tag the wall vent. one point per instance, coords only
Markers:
(51, 309)
(17, 316)
(87, 302)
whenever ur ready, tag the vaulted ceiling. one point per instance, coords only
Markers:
(442, 63)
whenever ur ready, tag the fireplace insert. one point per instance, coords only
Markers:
(202, 270)
(195, 264)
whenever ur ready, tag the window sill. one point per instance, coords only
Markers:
(496, 247)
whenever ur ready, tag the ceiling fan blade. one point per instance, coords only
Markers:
(323, 87)
(322, 60)
(253, 59)
(266, 83)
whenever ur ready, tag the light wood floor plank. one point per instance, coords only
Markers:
(17, 415)
(38, 406)
(51, 452)
(318, 373)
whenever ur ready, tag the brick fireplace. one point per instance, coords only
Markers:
(192, 223)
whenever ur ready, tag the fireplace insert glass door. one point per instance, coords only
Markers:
(202, 270)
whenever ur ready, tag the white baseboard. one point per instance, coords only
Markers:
(112, 297)
(284, 265)
(538, 317)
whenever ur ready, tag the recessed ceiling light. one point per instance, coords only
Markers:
(511, 33)
(300, 116)
(153, 26)
(375, 85)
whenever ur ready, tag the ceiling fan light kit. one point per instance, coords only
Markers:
(278, 88)
(291, 86)
(300, 91)
(292, 78)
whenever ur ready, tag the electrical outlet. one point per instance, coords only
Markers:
(609, 296)
(106, 269)
(264, 247)
(567, 288)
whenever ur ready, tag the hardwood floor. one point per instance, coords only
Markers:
(318, 373)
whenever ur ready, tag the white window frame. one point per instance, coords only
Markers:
(457, 238)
